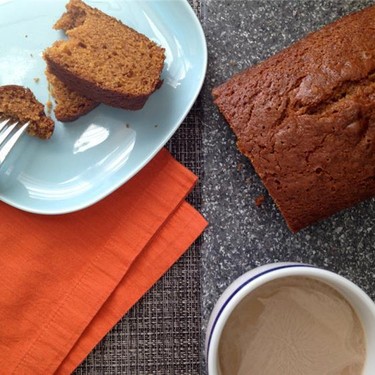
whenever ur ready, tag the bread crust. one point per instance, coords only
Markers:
(95, 92)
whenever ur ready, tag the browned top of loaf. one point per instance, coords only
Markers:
(69, 104)
(103, 51)
(20, 104)
(306, 119)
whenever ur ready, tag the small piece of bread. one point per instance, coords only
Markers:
(103, 59)
(69, 104)
(20, 104)
(306, 119)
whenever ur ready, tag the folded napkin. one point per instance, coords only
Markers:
(66, 280)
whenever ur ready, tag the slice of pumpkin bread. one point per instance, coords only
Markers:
(103, 59)
(19, 104)
(69, 104)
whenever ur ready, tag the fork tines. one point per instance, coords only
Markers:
(10, 132)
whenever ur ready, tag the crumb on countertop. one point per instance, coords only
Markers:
(249, 181)
(36, 79)
(259, 200)
(239, 167)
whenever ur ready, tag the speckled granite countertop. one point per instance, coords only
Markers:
(241, 235)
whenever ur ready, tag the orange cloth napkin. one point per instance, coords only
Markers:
(66, 280)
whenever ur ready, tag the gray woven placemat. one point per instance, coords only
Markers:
(161, 334)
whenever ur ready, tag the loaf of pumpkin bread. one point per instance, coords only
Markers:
(306, 119)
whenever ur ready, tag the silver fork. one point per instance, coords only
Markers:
(10, 132)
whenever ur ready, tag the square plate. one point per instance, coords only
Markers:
(87, 159)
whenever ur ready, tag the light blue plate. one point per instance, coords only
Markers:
(88, 159)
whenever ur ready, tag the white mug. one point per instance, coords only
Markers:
(245, 284)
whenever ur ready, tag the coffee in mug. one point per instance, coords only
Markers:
(292, 326)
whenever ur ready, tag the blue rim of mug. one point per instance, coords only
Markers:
(242, 286)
